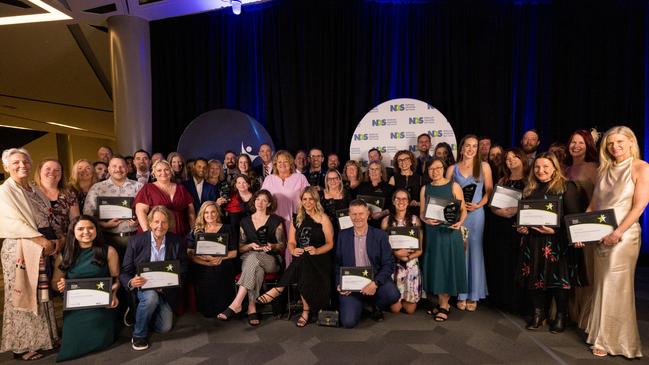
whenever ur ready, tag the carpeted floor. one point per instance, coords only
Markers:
(487, 336)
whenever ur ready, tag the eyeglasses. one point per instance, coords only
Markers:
(403, 159)
(333, 178)
(400, 199)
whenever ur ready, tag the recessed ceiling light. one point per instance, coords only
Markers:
(14, 127)
(66, 126)
(51, 15)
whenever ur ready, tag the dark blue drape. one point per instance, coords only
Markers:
(309, 70)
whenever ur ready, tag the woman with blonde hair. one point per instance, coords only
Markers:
(310, 239)
(547, 267)
(621, 185)
(82, 177)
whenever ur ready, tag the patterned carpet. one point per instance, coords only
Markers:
(487, 336)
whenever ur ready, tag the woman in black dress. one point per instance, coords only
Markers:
(352, 176)
(334, 197)
(310, 239)
(546, 266)
(261, 241)
(212, 276)
(375, 185)
(502, 252)
(406, 177)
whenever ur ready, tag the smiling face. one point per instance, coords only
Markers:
(100, 171)
(308, 202)
(496, 155)
(176, 164)
(214, 170)
(374, 155)
(352, 172)
(283, 165)
(117, 169)
(162, 172)
(333, 162)
(159, 225)
(229, 160)
(359, 215)
(84, 171)
(265, 153)
(19, 166)
(484, 145)
(544, 169)
(85, 232)
(50, 173)
(211, 215)
(436, 171)
(374, 172)
(333, 181)
(104, 154)
(469, 148)
(141, 161)
(200, 168)
(316, 157)
(404, 162)
(241, 185)
(512, 161)
(619, 146)
(442, 153)
(243, 165)
(400, 201)
(530, 142)
(300, 160)
(261, 203)
(423, 144)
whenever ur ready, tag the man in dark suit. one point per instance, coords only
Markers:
(154, 306)
(363, 245)
(198, 187)
(266, 156)
(142, 162)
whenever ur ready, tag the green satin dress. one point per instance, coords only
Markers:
(87, 330)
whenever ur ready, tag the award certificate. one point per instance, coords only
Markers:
(404, 237)
(375, 203)
(355, 278)
(110, 207)
(160, 274)
(542, 212)
(212, 244)
(590, 227)
(87, 293)
(344, 221)
(504, 197)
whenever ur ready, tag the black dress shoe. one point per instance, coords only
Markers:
(537, 320)
(377, 315)
(558, 325)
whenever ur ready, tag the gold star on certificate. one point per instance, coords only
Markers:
(601, 219)
(170, 267)
(124, 203)
(100, 285)
(411, 232)
(365, 273)
(219, 239)
(549, 206)
(377, 203)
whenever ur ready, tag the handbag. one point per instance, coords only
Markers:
(328, 318)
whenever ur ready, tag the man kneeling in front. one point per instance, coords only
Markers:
(154, 306)
(358, 246)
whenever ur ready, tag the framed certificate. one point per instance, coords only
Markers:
(404, 237)
(212, 244)
(469, 192)
(590, 227)
(344, 221)
(160, 274)
(111, 207)
(355, 278)
(443, 210)
(87, 293)
(542, 212)
(504, 197)
(375, 203)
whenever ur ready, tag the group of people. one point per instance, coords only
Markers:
(283, 217)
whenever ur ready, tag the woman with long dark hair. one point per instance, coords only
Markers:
(86, 255)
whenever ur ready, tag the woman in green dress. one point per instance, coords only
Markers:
(86, 256)
(444, 266)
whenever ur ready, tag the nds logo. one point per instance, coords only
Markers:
(378, 122)
(361, 137)
(397, 107)
(416, 120)
(412, 148)
(382, 149)
(397, 135)
(437, 133)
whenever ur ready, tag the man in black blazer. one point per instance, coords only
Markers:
(266, 156)
(198, 187)
(363, 245)
(142, 162)
(154, 306)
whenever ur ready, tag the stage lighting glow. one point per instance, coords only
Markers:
(236, 6)
(52, 14)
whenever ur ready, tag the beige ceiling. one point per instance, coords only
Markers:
(45, 77)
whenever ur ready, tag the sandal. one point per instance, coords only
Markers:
(471, 305)
(227, 314)
(599, 353)
(461, 305)
(442, 314)
(267, 297)
(303, 321)
(254, 319)
(433, 312)
(29, 356)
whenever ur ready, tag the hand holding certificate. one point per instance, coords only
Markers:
(443, 210)
(160, 274)
(87, 293)
(212, 244)
(590, 227)
(354, 279)
(541, 212)
(504, 197)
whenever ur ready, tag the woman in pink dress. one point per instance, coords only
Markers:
(286, 185)
(169, 194)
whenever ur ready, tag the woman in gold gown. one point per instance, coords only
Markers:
(621, 185)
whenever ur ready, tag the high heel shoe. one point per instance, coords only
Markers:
(537, 320)
(558, 325)
(267, 297)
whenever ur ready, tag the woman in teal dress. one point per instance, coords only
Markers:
(86, 256)
(444, 266)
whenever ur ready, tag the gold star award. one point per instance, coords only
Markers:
(549, 206)
(100, 285)
(601, 219)
(365, 273)
(170, 267)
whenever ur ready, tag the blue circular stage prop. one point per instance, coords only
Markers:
(214, 132)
